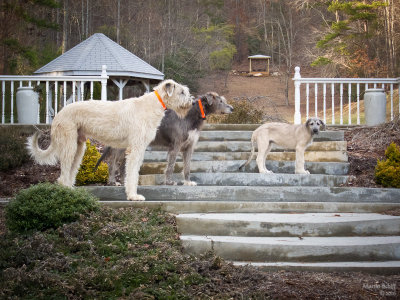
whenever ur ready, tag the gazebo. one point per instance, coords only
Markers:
(87, 58)
(259, 57)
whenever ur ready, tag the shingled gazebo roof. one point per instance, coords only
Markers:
(88, 57)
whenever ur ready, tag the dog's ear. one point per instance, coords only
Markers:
(323, 126)
(308, 123)
(169, 89)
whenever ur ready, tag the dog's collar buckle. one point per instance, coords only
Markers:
(203, 115)
(159, 99)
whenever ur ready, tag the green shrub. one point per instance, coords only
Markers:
(12, 149)
(387, 172)
(85, 174)
(243, 113)
(47, 205)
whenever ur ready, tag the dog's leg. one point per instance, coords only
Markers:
(187, 156)
(113, 166)
(134, 159)
(264, 146)
(66, 142)
(81, 147)
(169, 171)
(299, 168)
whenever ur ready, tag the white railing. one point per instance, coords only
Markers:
(333, 92)
(58, 91)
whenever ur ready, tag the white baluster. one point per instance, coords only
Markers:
(3, 102)
(12, 102)
(73, 91)
(55, 97)
(324, 91)
(391, 102)
(333, 103)
(307, 100)
(316, 99)
(47, 103)
(65, 93)
(341, 104)
(349, 103)
(358, 104)
(91, 90)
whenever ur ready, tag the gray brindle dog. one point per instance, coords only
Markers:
(289, 136)
(178, 135)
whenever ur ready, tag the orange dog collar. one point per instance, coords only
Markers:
(203, 115)
(159, 99)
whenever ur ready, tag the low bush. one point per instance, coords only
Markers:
(86, 175)
(387, 172)
(12, 149)
(46, 206)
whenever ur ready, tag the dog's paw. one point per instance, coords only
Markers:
(171, 182)
(304, 172)
(191, 183)
(136, 197)
(266, 172)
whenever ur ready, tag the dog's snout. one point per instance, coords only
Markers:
(315, 130)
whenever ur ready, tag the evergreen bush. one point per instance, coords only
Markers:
(387, 172)
(47, 205)
(86, 175)
(12, 149)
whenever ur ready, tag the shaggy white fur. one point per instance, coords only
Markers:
(130, 124)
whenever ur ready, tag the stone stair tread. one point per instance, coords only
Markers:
(316, 156)
(288, 225)
(186, 206)
(328, 168)
(245, 135)
(250, 179)
(376, 267)
(296, 241)
(291, 218)
(243, 146)
(254, 193)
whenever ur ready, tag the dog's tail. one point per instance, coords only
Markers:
(106, 151)
(253, 149)
(42, 157)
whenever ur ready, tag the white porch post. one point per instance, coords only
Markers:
(104, 78)
(297, 114)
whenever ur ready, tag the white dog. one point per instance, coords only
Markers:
(296, 137)
(129, 124)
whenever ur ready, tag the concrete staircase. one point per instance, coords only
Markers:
(273, 221)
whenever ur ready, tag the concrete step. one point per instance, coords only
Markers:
(288, 225)
(245, 146)
(327, 168)
(253, 193)
(245, 135)
(295, 249)
(199, 206)
(250, 179)
(375, 267)
(316, 156)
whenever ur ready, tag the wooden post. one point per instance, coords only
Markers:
(104, 78)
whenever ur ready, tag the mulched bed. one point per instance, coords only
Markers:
(365, 145)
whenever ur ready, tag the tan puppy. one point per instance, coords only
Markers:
(289, 136)
(130, 124)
